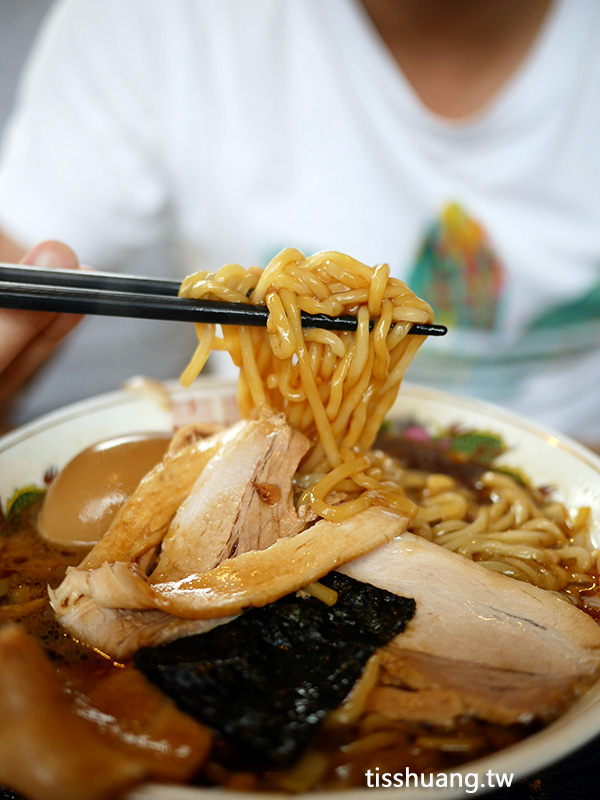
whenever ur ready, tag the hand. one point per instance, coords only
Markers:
(27, 338)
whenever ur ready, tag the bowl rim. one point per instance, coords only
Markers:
(205, 384)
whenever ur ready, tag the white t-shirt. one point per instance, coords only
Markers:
(238, 127)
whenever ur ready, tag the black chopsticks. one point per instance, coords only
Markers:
(87, 279)
(109, 294)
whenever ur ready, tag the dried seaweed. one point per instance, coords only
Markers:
(266, 680)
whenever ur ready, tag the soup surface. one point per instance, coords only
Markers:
(362, 734)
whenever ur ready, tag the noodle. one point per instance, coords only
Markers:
(337, 387)
(355, 703)
(507, 530)
(334, 387)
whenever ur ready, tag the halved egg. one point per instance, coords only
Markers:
(87, 493)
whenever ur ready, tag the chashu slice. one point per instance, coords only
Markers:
(140, 525)
(46, 750)
(250, 469)
(85, 743)
(426, 688)
(135, 535)
(252, 579)
(119, 632)
(471, 614)
(242, 501)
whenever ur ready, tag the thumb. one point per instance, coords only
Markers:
(28, 337)
(53, 255)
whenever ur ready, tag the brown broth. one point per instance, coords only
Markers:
(342, 753)
(28, 566)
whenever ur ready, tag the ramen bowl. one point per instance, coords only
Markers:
(30, 453)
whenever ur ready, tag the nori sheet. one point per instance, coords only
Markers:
(266, 680)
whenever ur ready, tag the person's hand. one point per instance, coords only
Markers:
(27, 338)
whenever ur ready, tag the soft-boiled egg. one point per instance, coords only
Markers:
(87, 493)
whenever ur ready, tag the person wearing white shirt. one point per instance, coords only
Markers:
(455, 141)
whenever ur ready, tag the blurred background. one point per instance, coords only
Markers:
(19, 22)
(488, 208)
(70, 372)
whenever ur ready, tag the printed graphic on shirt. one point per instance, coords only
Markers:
(458, 272)
(584, 309)
(564, 329)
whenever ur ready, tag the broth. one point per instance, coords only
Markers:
(338, 757)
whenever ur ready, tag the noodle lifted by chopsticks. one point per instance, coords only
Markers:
(334, 387)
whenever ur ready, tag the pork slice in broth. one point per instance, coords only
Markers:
(471, 614)
(427, 688)
(109, 731)
(249, 580)
(140, 525)
(46, 750)
(241, 501)
(119, 632)
(134, 536)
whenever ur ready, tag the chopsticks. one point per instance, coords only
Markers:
(110, 294)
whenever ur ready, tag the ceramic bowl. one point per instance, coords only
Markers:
(547, 457)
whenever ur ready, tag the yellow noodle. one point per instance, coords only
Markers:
(305, 773)
(337, 387)
(321, 592)
(334, 387)
(355, 703)
(515, 532)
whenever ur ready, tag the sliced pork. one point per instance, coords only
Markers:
(46, 750)
(147, 726)
(439, 707)
(241, 501)
(87, 744)
(119, 632)
(212, 496)
(141, 524)
(470, 614)
(425, 688)
(250, 580)
(212, 530)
